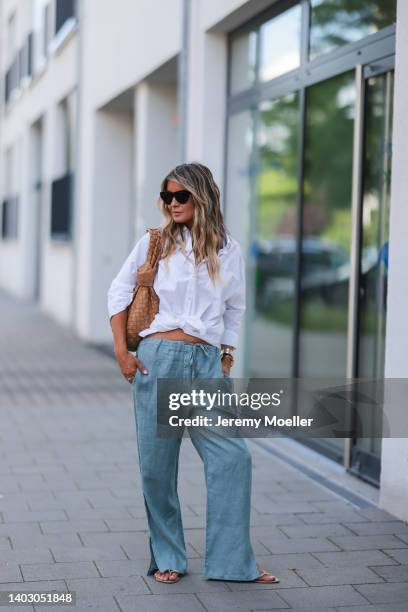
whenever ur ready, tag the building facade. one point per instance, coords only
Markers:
(298, 107)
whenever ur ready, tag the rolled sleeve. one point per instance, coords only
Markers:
(236, 303)
(120, 292)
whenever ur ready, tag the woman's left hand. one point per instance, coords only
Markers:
(226, 365)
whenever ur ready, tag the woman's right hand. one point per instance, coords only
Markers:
(129, 364)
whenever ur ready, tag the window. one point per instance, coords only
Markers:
(280, 44)
(11, 38)
(335, 23)
(46, 30)
(10, 204)
(9, 218)
(64, 11)
(62, 186)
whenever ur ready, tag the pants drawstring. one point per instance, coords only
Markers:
(194, 349)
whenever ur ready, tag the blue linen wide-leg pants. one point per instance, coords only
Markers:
(227, 467)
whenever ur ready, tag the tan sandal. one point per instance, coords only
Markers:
(266, 578)
(170, 580)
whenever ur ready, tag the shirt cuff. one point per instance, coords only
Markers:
(230, 337)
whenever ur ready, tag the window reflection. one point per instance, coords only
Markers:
(275, 246)
(280, 44)
(375, 225)
(243, 61)
(326, 227)
(325, 247)
(337, 22)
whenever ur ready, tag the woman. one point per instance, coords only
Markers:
(200, 282)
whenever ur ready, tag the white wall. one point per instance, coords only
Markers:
(111, 201)
(156, 146)
(394, 473)
(125, 41)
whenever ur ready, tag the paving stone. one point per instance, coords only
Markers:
(26, 529)
(45, 540)
(4, 544)
(137, 538)
(130, 524)
(300, 496)
(10, 572)
(379, 528)
(58, 483)
(399, 554)
(267, 506)
(259, 531)
(108, 587)
(21, 608)
(278, 545)
(158, 603)
(90, 514)
(396, 592)
(351, 516)
(310, 609)
(43, 586)
(58, 504)
(54, 571)
(242, 601)
(376, 514)
(122, 568)
(26, 555)
(354, 558)
(289, 561)
(403, 536)
(392, 573)
(322, 596)
(368, 542)
(274, 520)
(73, 526)
(104, 604)
(334, 505)
(313, 531)
(87, 553)
(398, 607)
(338, 575)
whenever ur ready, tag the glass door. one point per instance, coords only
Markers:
(326, 236)
(371, 282)
(274, 246)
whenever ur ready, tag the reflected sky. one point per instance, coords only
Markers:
(335, 23)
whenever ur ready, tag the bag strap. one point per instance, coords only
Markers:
(155, 246)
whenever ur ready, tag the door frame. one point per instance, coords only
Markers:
(362, 74)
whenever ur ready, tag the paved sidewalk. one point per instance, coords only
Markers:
(72, 515)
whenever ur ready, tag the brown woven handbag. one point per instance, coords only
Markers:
(145, 301)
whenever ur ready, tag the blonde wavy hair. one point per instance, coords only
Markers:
(208, 232)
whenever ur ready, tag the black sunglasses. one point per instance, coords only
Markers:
(181, 196)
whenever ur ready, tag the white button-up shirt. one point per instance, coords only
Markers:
(188, 298)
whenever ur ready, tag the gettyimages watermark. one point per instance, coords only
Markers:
(268, 407)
